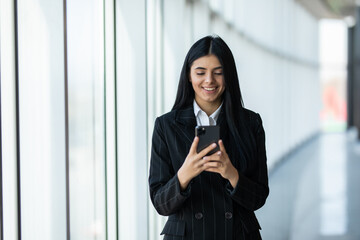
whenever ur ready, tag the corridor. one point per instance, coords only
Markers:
(315, 193)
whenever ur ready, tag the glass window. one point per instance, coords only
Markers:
(42, 121)
(86, 119)
(132, 118)
(8, 121)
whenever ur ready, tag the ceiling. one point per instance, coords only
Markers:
(336, 9)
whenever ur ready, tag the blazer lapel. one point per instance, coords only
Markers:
(185, 123)
(227, 138)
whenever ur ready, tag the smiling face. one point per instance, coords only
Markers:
(206, 76)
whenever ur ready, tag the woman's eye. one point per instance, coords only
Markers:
(218, 73)
(200, 73)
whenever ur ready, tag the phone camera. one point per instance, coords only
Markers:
(201, 131)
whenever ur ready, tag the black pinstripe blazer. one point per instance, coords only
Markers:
(209, 208)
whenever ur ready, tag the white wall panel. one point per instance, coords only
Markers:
(200, 22)
(175, 36)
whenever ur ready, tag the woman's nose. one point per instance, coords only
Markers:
(208, 78)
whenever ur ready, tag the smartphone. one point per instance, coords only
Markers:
(207, 135)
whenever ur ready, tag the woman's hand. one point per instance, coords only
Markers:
(194, 164)
(219, 162)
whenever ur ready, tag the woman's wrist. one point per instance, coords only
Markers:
(234, 179)
(182, 179)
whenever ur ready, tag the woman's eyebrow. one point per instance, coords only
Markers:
(202, 68)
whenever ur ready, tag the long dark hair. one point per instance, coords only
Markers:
(232, 99)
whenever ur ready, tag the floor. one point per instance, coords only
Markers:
(315, 192)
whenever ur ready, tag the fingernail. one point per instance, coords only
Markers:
(219, 153)
(214, 145)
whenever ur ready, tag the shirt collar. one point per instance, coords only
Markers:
(214, 115)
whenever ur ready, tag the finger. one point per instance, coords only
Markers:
(214, 170)
(203, 161)
(194, 145)
(213, 164)
(214, 157)
(222, 147)
(207, 150)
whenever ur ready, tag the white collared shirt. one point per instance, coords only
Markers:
(202, 118)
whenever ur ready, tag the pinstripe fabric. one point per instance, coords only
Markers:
(209, 208)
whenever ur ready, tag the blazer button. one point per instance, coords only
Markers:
(228, 215)
(198, 215)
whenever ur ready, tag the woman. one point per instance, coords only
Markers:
(209, 197)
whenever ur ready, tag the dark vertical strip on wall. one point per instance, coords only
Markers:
(66, 124)
(1, 171)
(350, 77)
(17, 96)
(116, 128)
(356, 72)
